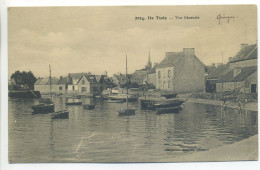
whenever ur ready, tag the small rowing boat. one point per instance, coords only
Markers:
(63, 114)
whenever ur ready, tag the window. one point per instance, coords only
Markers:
(159, 74)
(163, 84)
(253, 88)
(60, 87)
(169, 84)
(73, 88)
(83, 89)
(83, 82)
(169, 73)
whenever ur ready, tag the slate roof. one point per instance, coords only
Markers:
(245, 72)
(171, 59)
(246, 53)
(90, 78)
(64, 80)
(46, 81)
(76, 75)
(220, 70)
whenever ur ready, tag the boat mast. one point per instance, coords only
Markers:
(50, 80)
(126, 83)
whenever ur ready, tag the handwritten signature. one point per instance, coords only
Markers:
(221, 17)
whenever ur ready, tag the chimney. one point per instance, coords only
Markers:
(188, 51)
(243, 45)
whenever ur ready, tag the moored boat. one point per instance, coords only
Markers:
(63, 114)
(46, 105)
(43, 108)
(126, 111)
(174, 103)
(153, 103)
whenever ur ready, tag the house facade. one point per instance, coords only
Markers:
(87, 84)
(63, 84)
(180, 72)
(43, 85)
(242, 72)
(74, 79)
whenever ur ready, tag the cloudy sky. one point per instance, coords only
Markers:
(94, 39)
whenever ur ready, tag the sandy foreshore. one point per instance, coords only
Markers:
(244, 150)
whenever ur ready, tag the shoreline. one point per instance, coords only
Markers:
(248, 106)
(244, 150)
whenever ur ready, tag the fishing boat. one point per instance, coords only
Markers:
(173, 103)
(168, 110)
(156, 102)
(43, 108)
(126, 111)
(63, 114)
(89, 106)
(45, 105)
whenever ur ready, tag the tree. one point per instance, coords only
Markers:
(24, 78)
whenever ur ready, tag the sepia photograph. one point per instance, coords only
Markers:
(132, 84)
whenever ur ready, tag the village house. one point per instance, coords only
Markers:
(242, 72)
(242, 79)
(63, 84)
(87, 84)
(181, 72)
(74, 79)
(215, 76)
(43, 85)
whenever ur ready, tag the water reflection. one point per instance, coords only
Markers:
(99, 135)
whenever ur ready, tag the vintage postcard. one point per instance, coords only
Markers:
(132, 84)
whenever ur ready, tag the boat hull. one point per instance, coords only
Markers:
(43, 108)
(152, 104)
(24, 94)
(60, 115)
(126, 112)
(73, 103)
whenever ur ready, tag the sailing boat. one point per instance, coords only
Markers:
(127, 111)
(46, 105)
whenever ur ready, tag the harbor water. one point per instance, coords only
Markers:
(100, 135)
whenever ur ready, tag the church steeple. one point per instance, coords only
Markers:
(149, 63)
